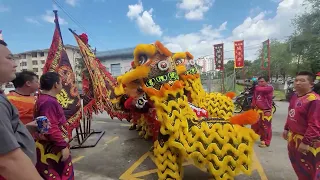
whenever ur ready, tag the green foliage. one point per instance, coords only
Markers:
(305, 42)
(300, 52)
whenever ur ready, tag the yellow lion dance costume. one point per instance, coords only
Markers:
(217, 104)
(223, 146)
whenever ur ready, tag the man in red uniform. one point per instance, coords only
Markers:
(302, 129)
(262, 102)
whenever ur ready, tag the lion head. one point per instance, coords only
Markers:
(154, 67)
(186, 66)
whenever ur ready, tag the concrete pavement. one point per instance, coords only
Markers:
(121, 154)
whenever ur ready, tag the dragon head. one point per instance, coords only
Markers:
(186, 66)
(154, 69)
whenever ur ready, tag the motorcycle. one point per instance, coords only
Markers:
(243, 102)
(290, 91)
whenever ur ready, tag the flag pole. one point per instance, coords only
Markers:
(269, 60)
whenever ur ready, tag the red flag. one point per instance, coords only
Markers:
(218, 56)
(58, 61)
(238, 54)
(101, 82)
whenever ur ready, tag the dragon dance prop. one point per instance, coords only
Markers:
(219, 144)
(98, 84)
(58, 61)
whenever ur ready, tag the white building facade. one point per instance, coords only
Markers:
(34, 60)
(118, 61)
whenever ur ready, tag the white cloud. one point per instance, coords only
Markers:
(31, 20)
(194, 9)
(135, 10)
(49, 17)
(254, 30)
(144, 19)
(4, 8)
(72, 2)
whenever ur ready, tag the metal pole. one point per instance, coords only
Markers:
(234, 79)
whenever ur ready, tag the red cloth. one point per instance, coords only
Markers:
(304, 117)
(128, 104)
(199, 111)
(262, 97)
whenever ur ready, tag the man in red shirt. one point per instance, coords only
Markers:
(262, 102)
(302, 129)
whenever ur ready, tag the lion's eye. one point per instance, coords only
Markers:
(143, 59)
(163, 65)
(192, 62)
(179, 61)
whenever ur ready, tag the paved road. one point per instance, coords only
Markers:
(121, 154)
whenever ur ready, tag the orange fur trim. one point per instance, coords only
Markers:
(189, 76)
(231, 95)
(181, 69)
(162, 49)
(247, 118)
(189, 55)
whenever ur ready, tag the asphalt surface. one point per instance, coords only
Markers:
(122, 154)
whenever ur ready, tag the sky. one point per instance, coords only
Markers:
(181, 25)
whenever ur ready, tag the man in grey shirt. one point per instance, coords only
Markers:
(17, 148)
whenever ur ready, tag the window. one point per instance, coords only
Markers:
(23, 63)
(34, 54)
(23, 56)
(41, 54)
(34, 62)
(35, 69)
(43, 61)
(116, 69)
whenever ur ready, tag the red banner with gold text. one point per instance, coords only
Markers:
(238, 54)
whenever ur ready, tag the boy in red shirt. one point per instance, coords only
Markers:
(302, 129)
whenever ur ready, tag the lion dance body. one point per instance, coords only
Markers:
(220, 144)
(217, 104)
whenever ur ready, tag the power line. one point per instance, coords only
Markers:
(75, 21)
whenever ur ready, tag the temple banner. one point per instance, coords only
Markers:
(58, 61)
(218, 56)
(238, 54)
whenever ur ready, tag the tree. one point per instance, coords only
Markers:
(305, 42)
(229, 69)
(280, 60)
